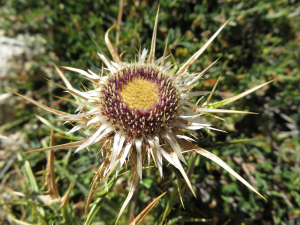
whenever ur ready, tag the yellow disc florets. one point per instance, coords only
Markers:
(140, 100)
(140, 94)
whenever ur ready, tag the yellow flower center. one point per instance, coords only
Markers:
(139, 94)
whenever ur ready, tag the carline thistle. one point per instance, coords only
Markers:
(139, 111)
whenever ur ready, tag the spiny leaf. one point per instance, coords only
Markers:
(234, 98)
(219, 161)
(179, 166)
(48, 109)
(199, 52)
(210, 110)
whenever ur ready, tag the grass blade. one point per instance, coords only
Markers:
(141, 216)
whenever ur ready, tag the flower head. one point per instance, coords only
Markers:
(139, 111)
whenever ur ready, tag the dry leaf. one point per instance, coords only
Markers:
(141, 216)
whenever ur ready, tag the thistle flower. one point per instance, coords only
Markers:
(139, 111)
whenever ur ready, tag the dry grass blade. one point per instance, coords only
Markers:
(66, 99)
(111, 48)
(50, 176)
(152, 50)
(234, 98)
(48, 109)
(141, 216)
(102, 52)
(119, 21)
(165, 52)
(65, 198)
(218, 118)
(134, 183)
(58, 147)
(179, 192)
(94, 184)
(212, 92)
